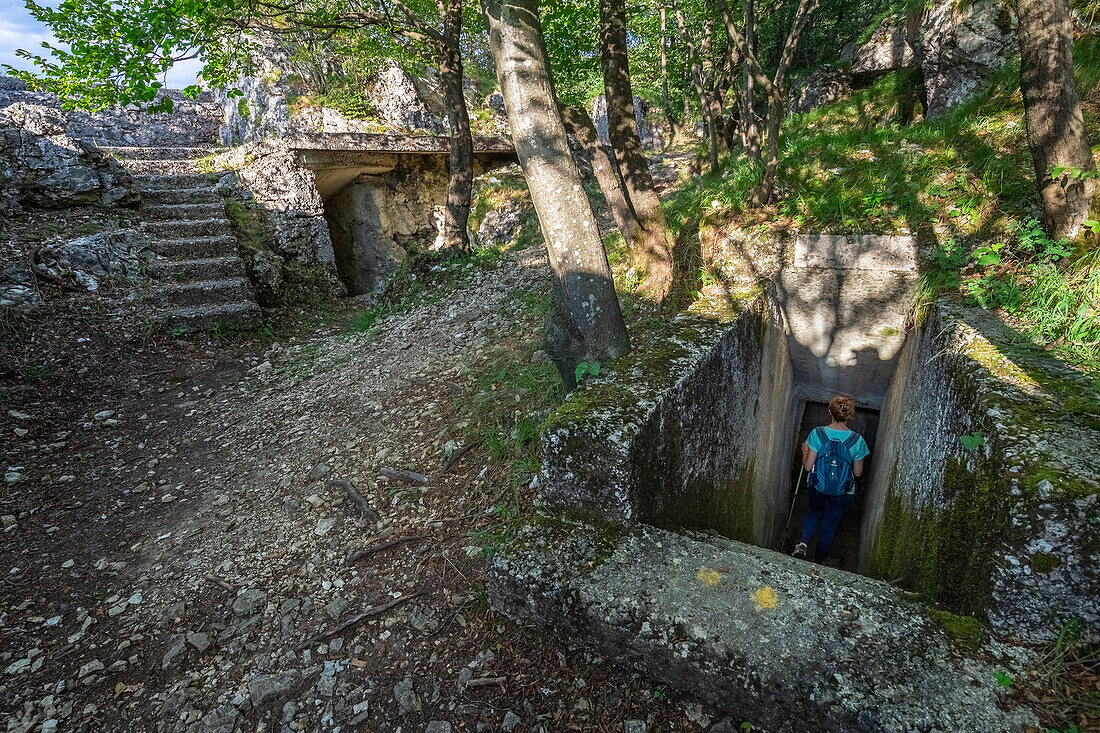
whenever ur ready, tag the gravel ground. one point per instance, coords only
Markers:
(180, 545)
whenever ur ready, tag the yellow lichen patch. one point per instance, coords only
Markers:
(765, 597)
(708, 576)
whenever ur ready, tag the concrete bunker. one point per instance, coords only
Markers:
(384, 195)
(721, 452)
(661, 475)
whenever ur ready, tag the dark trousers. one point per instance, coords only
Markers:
(825, 513)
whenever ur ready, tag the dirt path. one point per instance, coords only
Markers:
(183, 562)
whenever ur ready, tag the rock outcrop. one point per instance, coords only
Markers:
(961, 46)
(42, 165)
(191, 121)
(957, 48)
(396, 97)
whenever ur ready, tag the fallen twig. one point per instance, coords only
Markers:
(409, 477)
(365, 509)
(360, 618)
(486, 682)
(461, 452)
(218, 582)
(358, 555)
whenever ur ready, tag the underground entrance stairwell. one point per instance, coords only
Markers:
(666, 490)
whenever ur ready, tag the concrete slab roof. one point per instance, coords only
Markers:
(339, 158)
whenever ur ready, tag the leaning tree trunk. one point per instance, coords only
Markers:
(1055, 127)
(592, 326)
(653, 244)
(580, 126)
(461, 160)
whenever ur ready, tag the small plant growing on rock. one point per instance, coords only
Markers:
(585, 369)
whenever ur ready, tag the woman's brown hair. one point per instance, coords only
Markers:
(842, 408)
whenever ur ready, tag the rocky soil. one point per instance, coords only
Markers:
(182, 551)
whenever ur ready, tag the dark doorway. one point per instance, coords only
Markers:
(845, 552)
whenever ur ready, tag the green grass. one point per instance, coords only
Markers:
(853, 167)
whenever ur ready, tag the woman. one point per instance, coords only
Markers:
(832, 478)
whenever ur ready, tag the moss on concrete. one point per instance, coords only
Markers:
(965, 630)
(1043, 562)
(947, 553)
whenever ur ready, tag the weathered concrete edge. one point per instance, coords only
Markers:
(606, 413)
(641, 596)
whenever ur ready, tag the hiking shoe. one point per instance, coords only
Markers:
(800, 551)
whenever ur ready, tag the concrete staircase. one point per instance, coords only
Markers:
(201, 277)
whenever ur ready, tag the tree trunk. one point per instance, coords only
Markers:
(580, 126)
(707, 101)
(592, 326)
(666, 103)
(751, 134)
(1055, 127)
(652, 248)
(461, 159)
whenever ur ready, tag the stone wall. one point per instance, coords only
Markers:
(287, 193)
(192, 121)
(1010, 529)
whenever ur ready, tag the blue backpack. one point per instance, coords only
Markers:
(833, 465)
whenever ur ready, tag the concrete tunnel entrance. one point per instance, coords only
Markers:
(841, 309)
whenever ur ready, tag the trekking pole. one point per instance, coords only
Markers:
(801, 470)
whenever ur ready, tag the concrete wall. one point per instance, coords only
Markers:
(697, 442)
(1010, 530)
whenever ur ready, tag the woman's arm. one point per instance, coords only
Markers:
(809, 456)
(857, 468)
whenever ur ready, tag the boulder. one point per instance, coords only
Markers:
(18, 289)
(41, 165)
(823, 86)
(88, 260)
(260, 112)
(886, 50)
(396, 98)
(501, 225)
(961, 46)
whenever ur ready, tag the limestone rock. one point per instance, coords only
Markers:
(87, 260)
(886, 50)
(495, 102)
(408, 701)
(249, 602)
(396, 98)
(265, 687)
(599, 119)
(42, 166)
(18, 289)
(962, 45)
(823, 86)
(501, 226)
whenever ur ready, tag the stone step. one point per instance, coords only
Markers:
(165, 153)
(190, 248)
(202, 268)
(181, 212)
(174, 181)
(204, 292)
(160, 167)
(188, 228)
(242, 314)
(198, 195)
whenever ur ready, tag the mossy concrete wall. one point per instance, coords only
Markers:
(691, 434)
(1003, 524)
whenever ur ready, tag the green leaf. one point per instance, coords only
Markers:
(580, 371)
(973, 441)
(1003, 679)
(990, 258)
(594, 369)
(1057, 171)
(1093, 225)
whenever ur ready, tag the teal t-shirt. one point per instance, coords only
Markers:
(859, 451)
